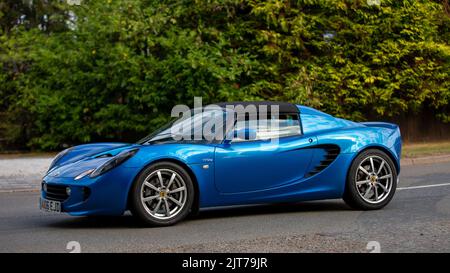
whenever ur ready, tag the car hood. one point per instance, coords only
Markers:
(72, 170)
(71, 162)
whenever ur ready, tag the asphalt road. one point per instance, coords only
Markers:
(417, 220)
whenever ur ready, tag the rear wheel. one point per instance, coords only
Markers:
(162, 195)
(371, 181)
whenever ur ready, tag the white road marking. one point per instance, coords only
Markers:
(425, 186)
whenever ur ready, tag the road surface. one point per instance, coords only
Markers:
(417, 220)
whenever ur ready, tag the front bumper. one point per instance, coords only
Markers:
(103, 195)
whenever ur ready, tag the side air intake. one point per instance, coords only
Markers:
(331, 152)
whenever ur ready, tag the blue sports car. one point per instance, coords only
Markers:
(290, 153)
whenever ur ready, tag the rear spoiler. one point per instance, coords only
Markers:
(380, 124)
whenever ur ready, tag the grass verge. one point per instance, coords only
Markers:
(413, 150)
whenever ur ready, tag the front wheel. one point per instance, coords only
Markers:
(162, 195)
(371, 181)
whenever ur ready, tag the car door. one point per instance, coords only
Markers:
(262, 163)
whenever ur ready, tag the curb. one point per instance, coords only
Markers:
(18, 190)
(425, 160)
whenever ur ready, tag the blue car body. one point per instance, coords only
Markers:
(311, 166)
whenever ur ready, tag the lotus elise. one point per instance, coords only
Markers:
(163, 178)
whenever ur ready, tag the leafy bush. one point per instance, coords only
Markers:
(116, 68)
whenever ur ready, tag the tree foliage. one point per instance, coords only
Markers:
(113, 69)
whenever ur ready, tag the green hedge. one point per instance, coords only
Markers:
(115, 72)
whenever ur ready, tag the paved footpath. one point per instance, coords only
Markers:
(22, 173)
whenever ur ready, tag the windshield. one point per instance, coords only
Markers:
(194, 126)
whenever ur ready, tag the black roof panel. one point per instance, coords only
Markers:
(284, 107)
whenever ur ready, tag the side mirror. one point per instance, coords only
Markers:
(228, 138)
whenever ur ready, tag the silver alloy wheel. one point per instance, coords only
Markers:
(374, 179)
(163, 194)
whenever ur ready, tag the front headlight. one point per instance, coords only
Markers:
(113, 162)
(83, 174)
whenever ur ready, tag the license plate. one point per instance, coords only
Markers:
(50, 205)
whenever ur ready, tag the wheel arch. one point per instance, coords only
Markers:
(195, 204)
(381, 148)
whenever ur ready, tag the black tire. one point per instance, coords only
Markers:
(137, 207)
(353, 196)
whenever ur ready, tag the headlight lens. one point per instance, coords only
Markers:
(113, 162)
(83, 174)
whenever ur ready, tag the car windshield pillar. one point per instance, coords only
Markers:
(195, 126)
